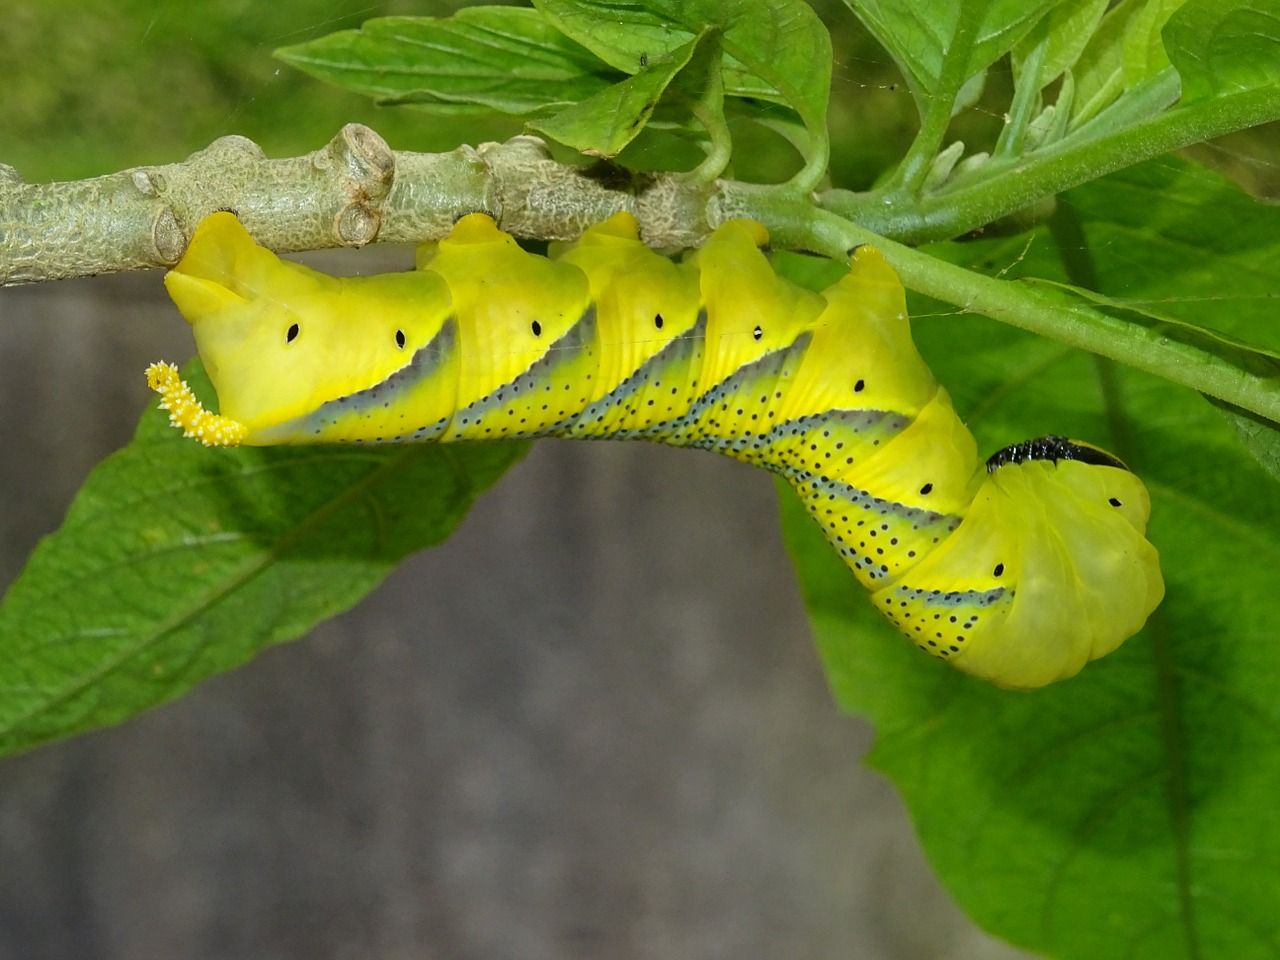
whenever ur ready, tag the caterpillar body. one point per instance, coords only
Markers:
(1019, 571)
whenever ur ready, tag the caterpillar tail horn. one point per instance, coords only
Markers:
(186, 412)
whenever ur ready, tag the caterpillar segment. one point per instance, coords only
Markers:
(1020, 570)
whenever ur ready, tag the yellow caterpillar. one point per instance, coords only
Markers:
(1019, 571)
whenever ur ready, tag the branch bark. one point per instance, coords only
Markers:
(353, 191)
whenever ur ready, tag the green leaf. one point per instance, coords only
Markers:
(1129, 812)
(921, 37)
(1245, 262)
(603, 124)
(481, 60)
(1258, 435)
(626, 33)
(776, 50)
(1057, 41)
(1143, 100)
(1188, 243)
(177, 562)
(1124, 52)
(1043, 55)
(1221, 46)
(1208, 348)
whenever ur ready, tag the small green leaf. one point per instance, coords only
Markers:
(1143, 100)
(1060, 37)
(177, 562)
(1124, 52)
(625, 34)
(776, 50)
(1223, 46)
(603, 124)
(943, 165)
(1144, 52)
(481, 60)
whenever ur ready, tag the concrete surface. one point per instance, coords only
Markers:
(590, 726)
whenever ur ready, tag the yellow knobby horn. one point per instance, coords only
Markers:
(186, 412)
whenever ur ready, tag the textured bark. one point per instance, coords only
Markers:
(353, 191)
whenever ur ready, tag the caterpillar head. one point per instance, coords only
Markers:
(1049, 569)
(279, 340)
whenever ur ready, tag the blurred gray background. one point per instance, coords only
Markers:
(592, 725)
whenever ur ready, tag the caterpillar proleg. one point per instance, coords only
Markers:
(1019, 570)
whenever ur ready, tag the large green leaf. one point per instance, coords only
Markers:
(1129, 812)
(1137, 254)
(1184, 240)
(1261, 437)
(481, 60)
(1221, 46)
(178, 562)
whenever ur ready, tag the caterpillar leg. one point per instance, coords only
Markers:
(186, 412)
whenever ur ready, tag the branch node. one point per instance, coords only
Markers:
(148, 182)
(523, 146)
(363, 159)
(167, 235)
(357, 224)
(225, 147)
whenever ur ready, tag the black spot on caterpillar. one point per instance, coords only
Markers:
(1020, 572)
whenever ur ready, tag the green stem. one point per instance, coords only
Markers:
(814, 118)
(708, 110)
(720, 145)
(911, 173)
(815, 166)
(1009, 187)
(936, 117)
